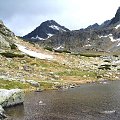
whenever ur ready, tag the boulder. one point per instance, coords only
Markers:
(11, 97)
(1, 109)
(2, 115)
(33, 83)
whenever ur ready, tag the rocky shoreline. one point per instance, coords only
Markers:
(10, 98)
(14, 97)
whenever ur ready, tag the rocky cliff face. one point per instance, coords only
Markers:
(45, 30)
(7, 37)
(116, 19)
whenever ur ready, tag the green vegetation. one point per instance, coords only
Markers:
(90, 55)
(46, 85)
(78, 73)
(12, 54)
(5, 84)
(48, 48)
(13, 46)
(58, 51)
(64, 69)
(62, 51)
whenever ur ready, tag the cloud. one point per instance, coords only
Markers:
(28, 7)
(22, 16)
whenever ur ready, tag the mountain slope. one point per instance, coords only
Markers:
(7, 37)
(95, 38)
(116, 19)
(45, 30)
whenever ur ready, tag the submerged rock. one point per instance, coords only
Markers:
(11, 97)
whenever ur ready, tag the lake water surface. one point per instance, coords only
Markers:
(99, 101)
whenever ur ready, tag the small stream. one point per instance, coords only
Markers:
(95, 101)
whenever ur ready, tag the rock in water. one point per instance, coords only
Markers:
(11, 97)
(109, 112)
(2, 115)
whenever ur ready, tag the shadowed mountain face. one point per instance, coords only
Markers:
(97, 38)
(45, 30)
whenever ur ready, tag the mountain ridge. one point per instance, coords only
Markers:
(45, 30)
(97, 38)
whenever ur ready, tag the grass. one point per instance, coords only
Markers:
(5, 84)
(48, 48)
(13, 46)
(78, 73)
(46, 85)
(49, 66)
(90, 55)
(12, 55)
(66, 67)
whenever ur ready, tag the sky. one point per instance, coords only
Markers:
(23, 16)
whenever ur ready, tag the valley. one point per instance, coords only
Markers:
(53, 57)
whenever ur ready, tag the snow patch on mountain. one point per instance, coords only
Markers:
(118, 44)
(117, 26)
(56, 28)
(114, 40)
(49, 35)
(110, 35)
(37, 37)
(58, 48)
(111, 38)
(33, 53)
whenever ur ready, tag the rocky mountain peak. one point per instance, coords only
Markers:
(50, 22)
(45, 30)
(116, 19)
(95, 38)
(93, 27)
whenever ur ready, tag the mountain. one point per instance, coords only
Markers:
(116, 19)
(45, 30)
(7, 37)
(96, 26)
(95, 38)
(93, 27)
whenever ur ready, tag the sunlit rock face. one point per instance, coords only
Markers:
(116, 19)
(11, 97)
(7, 37)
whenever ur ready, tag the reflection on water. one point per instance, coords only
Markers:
(87, 102)
(16, 112)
